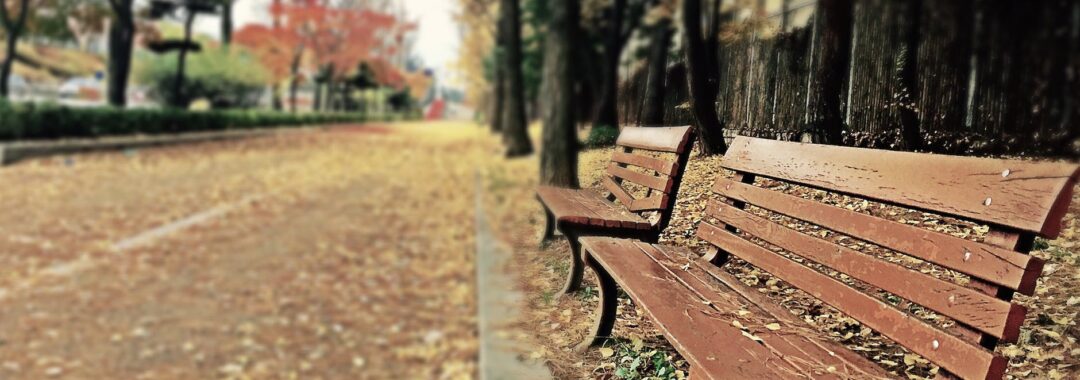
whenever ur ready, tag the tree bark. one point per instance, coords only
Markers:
(498, 100)
(832, 66)
(909, 78)
(607, 113)
(652, 113)
(13, 28)
(121, 45)
(275, 97)
(514, 126)
(294, 80)
(226, 22)
(701, 77)
(559, 151)
(178, 98)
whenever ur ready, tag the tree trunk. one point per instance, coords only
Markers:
(178, 98)
(121, 44)
(701, 77)
(652, 113)
(558, 157)
(909, 78)
(498, 100)
(226, 22)
(275, 97)
(607, 113)
(13, 29)
(832, 66)
(515, 133)
(316, 104)
(294, 80)
(785, 15)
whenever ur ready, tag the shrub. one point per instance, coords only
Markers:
(226, 78)
(29, 121)
(601, 136)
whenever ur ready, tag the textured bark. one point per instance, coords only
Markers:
(121, 45)
(606, 108)
(559, 151)
(652, 112)
(13, 28)
(514, 126)
(832, 67)
(701, 78)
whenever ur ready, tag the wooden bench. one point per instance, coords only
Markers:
(615, 211)
(726, 329)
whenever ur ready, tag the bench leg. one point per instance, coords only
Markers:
(549, 227)
(609, 301)
(577, 267)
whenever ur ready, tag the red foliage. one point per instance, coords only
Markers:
(329, 37)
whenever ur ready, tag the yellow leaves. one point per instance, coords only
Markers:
(606, 352)
(773, 326)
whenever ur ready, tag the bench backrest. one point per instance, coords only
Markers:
(659, 176)
(1017, 200)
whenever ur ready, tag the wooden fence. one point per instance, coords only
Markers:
(993, 77)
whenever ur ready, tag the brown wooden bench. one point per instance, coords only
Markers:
(615, 211)
(726, 329)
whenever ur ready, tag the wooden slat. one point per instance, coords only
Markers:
(653, 182)
(983, 312)
(663, 139)
(948, 351)
(1029, 196)
(589, 208)
(653, 203)
(610, 213)
(615, 189)
(665, 167)
(684, 319)
(795, 339)
(994, 264)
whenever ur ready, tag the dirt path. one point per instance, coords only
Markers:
(340, 254)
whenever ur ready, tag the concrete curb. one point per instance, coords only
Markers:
(17, 151)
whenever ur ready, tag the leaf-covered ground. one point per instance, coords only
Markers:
(1048, 347)
(344, 253)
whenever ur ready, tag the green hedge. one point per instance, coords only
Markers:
(28, 121)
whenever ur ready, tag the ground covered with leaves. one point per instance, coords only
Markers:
(1048, 346)
(340, 253)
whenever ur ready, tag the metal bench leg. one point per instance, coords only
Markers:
(609, 301)
(577, 267)
(549, 227)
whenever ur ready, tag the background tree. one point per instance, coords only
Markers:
(660, 34)
(514, 124)
(226, 22)
(701, 51)
(622, 18)
(121, 44)
(559, 151)
(829, 71)
(909, 78)
(13, 27)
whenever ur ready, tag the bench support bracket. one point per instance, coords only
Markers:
(605, 309)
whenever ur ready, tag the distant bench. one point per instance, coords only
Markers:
(726, 329)
(639, 160)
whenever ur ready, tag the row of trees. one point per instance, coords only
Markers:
(582, 43)
(339, 45)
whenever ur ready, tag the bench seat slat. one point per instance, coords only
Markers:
(665, 167)
(948, 351)
(661, 139)
(794, 339)
(653, 182)
(1028, 196)
(586, 207)
(988, 314)
(722, 353)
(997, 265)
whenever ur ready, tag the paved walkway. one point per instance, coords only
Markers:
(339, 254)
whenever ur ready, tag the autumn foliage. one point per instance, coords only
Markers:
(307, 37)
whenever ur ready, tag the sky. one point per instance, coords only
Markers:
(437, 39)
